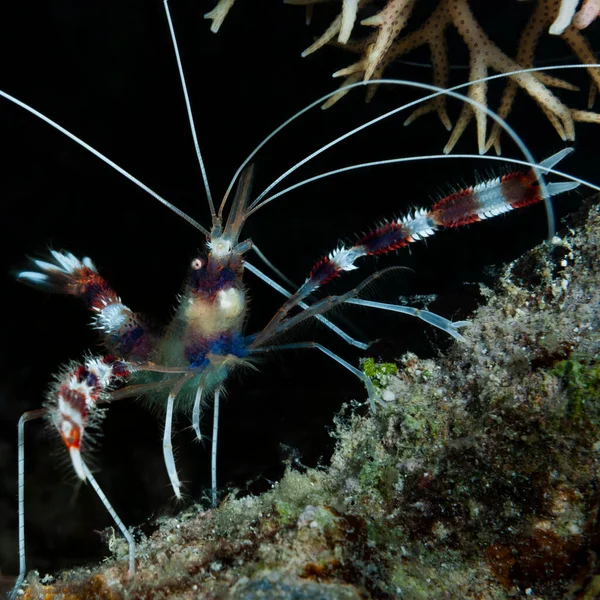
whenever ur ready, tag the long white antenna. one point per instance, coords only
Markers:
(105, 159)
(188, 107)
(378, 163)
(436, 90)
(420, 100)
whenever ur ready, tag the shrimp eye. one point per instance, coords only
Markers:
(197, 264)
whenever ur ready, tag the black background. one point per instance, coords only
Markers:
(106, 71)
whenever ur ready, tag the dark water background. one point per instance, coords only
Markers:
(105, 70)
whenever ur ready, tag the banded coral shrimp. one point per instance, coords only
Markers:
(102, 217)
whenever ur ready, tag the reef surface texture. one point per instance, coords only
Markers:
(477, 479)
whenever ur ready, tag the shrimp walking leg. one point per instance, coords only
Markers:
(30, 416)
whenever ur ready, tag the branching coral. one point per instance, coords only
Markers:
(390, 41)
(566, 16)
(540, 19)
(218, 14)
(590, 9)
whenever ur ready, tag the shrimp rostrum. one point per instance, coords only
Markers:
(187, 363)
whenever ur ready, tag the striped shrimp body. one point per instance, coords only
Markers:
(187, 363)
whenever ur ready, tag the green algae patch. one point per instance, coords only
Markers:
(582, 387)
(286, 513)
(379, 373)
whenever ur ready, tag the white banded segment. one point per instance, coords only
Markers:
(112, 315)
(124, 332)
(344, 258)
(497, 196)
(490, 199)
(469, 205)
(55, 275)
(418, 226)
(72, 402)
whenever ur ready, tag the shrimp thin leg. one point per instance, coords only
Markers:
(30, 416)
(167, 443)
(373, 396)
(213, 452)
(196, 413)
